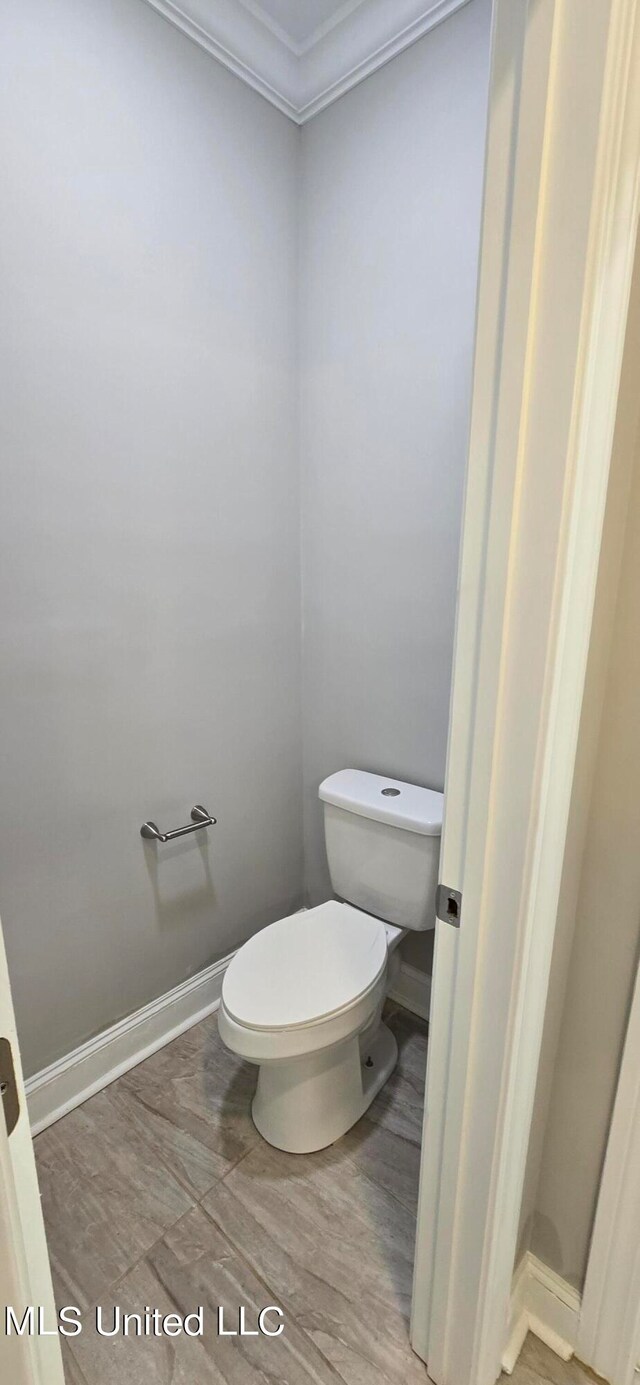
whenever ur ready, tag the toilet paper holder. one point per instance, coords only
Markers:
(200, 818)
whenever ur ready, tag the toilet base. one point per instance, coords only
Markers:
(308, 1103)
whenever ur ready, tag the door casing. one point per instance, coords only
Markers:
(25, 1275)
(559, 231)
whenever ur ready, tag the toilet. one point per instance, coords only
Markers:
(303, 998)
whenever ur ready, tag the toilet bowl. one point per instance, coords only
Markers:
(303, 998)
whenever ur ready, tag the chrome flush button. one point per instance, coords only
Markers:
(389, 793)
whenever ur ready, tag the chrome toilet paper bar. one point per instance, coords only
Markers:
(200, 818)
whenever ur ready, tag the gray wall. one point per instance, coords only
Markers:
(598, 929)
(392, 178)
(149, 515)
(150, 511)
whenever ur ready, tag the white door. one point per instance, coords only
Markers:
(25, 1276)
(558, 239)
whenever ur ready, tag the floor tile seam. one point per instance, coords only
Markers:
(194, 1194)
(233, 1167)
(113, 1285)
(243, 1256)
(83, 1379)
(238, 1250)
(347, 1156)
(249, 1264)
(110, 1290)
(254, 1270)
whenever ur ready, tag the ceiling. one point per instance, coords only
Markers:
(303, 54)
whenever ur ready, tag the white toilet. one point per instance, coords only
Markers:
(303, 998)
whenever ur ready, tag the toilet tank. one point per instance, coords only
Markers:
(383, 845)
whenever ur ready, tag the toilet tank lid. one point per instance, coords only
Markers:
(387, 800)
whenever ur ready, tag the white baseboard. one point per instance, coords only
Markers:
(518, 1325)
(80, 1074)
(71, 1080)
(542, 1303)
(412, 990)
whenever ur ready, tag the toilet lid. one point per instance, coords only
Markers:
(305, 968)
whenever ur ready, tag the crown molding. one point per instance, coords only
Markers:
(242, 43)
(336, 18)
(256, 9)
(365, 40)
(302, 80)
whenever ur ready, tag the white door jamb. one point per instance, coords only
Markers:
(609, 1328)
(559, 231)
(25, 1276)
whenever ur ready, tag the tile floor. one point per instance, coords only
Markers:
(537, 1365)
(159, 1191)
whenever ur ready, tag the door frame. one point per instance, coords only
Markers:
(25, 1274)
(559, 232)
(609, 1324)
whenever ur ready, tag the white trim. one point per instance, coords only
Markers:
(609, 1338)
(234, 55)
(511, 196)
(518, 1322)
(553, 1307)
(303, 79)
(314, 37)
(561, 203)
(610, 249)
(412, 990)
(71, 1080)
(342, 59)
(25, 1274)
(272, 25)
(322, 30)
(542, 1303)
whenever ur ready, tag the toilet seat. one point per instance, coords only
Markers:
(306, 969)
(304, 984)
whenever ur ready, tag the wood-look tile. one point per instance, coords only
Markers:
(329, 1236)
(399, 1106)
(195, 1166)
(412, 1035)
(385, 1144)
(195, 1265)
(388, 1159)
(332, 1234)
(335, 1247)
(522, 1375)
(198, 1086)
(537, 1362)
(72, 1373)
(106, 1197)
